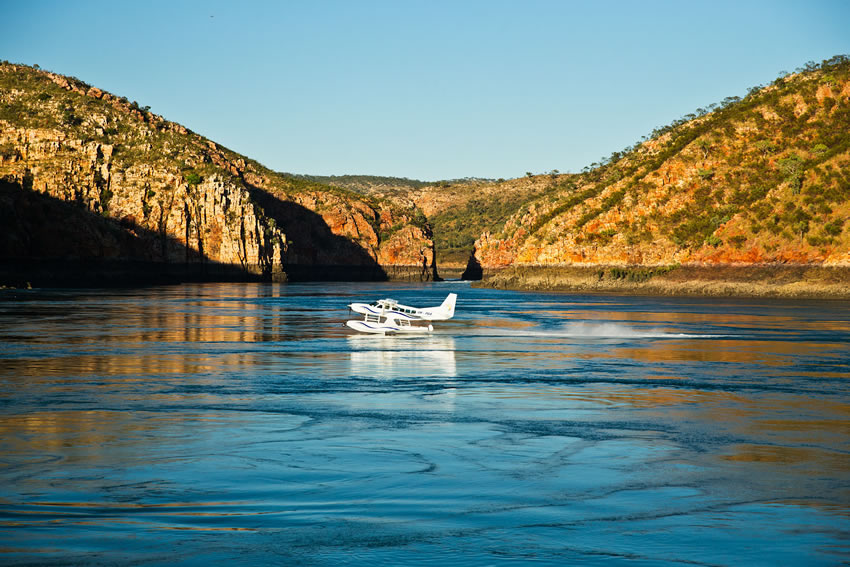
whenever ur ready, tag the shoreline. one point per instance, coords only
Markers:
(765, 280)
(99, 273)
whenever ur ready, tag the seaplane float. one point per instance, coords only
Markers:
(388, 316)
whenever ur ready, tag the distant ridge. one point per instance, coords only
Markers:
(363, 182)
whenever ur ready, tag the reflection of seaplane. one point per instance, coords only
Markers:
(389, 316)
(402, 356)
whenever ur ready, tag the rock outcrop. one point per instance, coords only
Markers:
(185, 198)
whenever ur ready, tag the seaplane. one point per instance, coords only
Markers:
(388, 316)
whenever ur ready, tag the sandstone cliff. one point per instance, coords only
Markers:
(759, 180)
(188, 199)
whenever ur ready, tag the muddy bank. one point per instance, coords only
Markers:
(792, 281)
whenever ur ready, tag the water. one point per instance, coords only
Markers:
(243, 424)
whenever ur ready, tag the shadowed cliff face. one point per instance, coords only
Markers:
(47, 241)
(37, 226)
(62, 138)
(314, 251)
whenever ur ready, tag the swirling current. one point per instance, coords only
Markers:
(244, 424)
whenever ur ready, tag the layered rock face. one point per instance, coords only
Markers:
(211, 220)
(759, 180)
(185, 199)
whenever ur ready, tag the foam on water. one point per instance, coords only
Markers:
(591, 330)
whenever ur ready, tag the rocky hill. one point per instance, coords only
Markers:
(88, 178)
(133, 187)
(760, 180)
(458, 210)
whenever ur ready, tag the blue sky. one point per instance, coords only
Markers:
(424, 89)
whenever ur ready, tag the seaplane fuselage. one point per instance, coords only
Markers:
(389, 316)
(392, 308)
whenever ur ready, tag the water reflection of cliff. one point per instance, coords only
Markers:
(402, 357)
(155, 334)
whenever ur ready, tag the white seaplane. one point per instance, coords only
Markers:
(388, 316)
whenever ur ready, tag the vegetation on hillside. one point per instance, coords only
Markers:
(756, 175)
(369, 184)
(457, 227)
(34, 99)
(364, 183)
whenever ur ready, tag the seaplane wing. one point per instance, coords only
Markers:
(388, 316)
(392, 308)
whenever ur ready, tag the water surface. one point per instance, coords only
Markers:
(243, 423)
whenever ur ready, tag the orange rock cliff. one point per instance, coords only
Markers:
(759, 180)
(169, 196)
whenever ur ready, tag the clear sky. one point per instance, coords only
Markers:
(428, 89)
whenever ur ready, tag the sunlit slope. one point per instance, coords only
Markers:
(763, 179)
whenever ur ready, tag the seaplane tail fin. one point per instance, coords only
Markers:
(447, 308)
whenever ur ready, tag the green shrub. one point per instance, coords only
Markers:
(834, 228)
(69, 118)
(818, 240)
